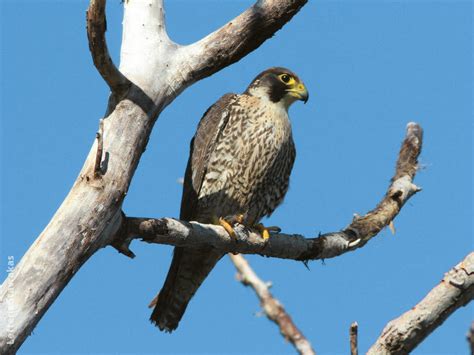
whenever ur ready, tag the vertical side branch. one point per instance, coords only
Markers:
(272, 308)
(353, 338)
(96, 27)
(100, 149)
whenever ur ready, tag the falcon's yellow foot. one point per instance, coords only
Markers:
(228, 227)
(265, 231)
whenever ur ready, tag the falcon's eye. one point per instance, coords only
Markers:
(285, 78)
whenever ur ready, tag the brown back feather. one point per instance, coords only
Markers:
(190, 267)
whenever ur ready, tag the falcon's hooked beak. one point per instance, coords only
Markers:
(299, 91)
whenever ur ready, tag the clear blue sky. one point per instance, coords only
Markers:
(370, 68)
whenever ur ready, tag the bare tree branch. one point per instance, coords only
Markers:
(353, 338)
(89, 217)
(96, 27)
(241, 35)
(403, 334)
(272, 308)
(297, 247)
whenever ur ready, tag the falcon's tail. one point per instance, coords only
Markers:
(188, 270)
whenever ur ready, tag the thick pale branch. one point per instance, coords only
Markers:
(297, 247)
(147, 56)
(403, 334)
(240, 36)
(96, 27)
(270, 305)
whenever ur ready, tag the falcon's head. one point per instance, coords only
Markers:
(279, 85)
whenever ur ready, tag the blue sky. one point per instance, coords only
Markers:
(370, 67)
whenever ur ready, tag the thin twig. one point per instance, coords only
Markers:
(100, 148)
(403, 334)
(96, 27)
(270, 305)
(353, 338)
(296, 247)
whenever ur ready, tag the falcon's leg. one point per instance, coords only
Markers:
(265, 231)
(228, 223)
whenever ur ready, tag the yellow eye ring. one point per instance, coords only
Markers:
(285, 78)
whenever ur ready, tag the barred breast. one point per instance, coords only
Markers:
(248, 172)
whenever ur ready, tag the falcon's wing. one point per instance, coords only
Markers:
(202, 145)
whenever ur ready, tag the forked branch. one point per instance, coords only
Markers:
(297, 247)
(403, 334)
(270, 305)
(240, 36)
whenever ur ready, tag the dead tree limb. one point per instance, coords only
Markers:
(353, 330)
(90, 216)
(296, 247)
(96, 27)
(270, 305)
(236, 36)
(403, 334)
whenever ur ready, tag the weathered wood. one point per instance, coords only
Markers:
(96, 27)
(273, 309)
(294, 246)
(353, 340)
(91, 213)
(403, 334)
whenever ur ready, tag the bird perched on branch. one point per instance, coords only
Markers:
(238, 172)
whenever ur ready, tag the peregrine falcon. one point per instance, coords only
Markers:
(238, 171)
